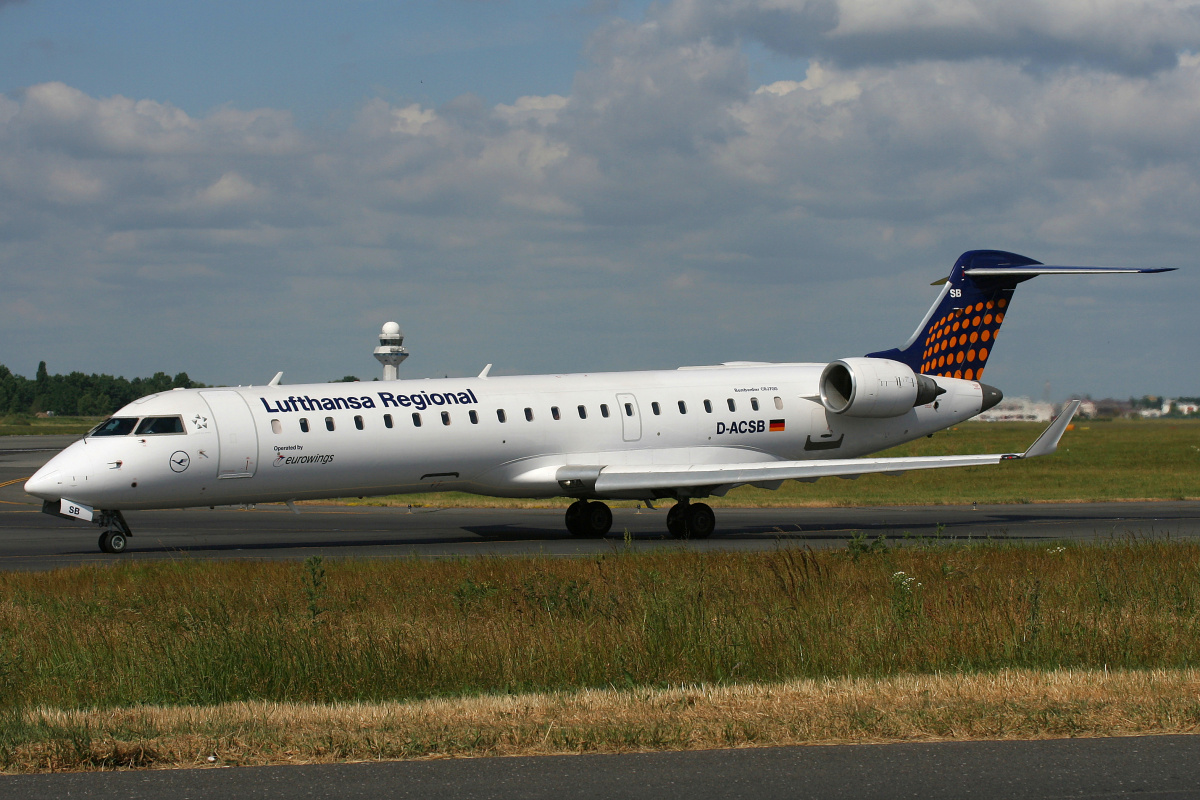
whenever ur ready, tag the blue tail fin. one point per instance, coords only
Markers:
(957, 335)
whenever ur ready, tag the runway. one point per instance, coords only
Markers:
(30, 540)
(1145, 766)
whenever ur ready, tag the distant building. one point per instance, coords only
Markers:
(1018, 409)
(1182, 406)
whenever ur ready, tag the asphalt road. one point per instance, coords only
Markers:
(32, 540)
(1166, 767)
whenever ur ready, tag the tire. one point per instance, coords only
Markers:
(598, 519)
(576, 518)
(701, 521)
(113, 542)
(677, 521)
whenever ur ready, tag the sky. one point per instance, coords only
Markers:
(234, 189)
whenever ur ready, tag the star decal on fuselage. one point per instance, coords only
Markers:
(200, 422)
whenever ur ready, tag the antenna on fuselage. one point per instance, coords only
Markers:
(391, 350)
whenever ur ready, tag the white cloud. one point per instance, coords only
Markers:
(1133, 36)
(667, 210)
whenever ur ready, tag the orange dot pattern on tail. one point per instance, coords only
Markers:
(957, 345)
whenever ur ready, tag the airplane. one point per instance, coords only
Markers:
(682, 435)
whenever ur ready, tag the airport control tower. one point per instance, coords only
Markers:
(391, 350)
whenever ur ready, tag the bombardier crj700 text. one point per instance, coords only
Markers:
(682, 434)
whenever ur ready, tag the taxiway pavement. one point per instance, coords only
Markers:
(1165, 767)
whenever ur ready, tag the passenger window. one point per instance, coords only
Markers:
(604, 410)
(754, 403)
(629, 409)
(730, 403)
(156, 425)
(473, 417)
(329, 423)
(387, 420)
(708, 406)
(582, 412)
(554, 412)
(276, 427)
(445, 417)
(358, 423)
(500, 415)
(416, 420)
(682, 407)
(303, 425)
(654, 407)
(116, 426)
(529, 415)
(779, 403)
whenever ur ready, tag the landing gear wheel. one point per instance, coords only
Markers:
(598, 517)
(575, 518)
(112, 542)
(588, 520)
(677, 520)
(700, 521)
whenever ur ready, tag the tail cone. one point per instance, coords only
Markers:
(991, 396)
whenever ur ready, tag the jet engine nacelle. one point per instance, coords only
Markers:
(874, 387)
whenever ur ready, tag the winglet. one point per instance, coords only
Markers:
(278, 377)
(1047, 443)
(485, 372)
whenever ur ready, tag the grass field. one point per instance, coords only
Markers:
(87, 655)
(29, 425)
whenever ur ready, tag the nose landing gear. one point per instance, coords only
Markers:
(116, 537)
(112, 542)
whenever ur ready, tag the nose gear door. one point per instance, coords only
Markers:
(236, 437)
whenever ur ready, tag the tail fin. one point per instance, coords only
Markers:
(957, 335)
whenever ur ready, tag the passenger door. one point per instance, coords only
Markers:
(237, 440)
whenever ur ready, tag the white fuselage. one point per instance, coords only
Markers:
(280, 443)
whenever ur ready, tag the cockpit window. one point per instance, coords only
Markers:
(115, 426)
(153, 425)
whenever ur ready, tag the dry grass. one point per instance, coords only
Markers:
(169, 663)
(1006, 705)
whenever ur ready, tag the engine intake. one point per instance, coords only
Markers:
(874, 387)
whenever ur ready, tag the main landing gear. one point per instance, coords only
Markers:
(117, 536)
(688, 520)
(588, 519)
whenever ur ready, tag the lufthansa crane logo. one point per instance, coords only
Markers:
(180, 461)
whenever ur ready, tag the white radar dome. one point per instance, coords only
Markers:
(391, 329)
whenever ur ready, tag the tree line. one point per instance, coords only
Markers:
(79, 394)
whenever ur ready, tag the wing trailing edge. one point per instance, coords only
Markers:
(614, 479)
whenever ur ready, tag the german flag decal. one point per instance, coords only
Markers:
(776, 426)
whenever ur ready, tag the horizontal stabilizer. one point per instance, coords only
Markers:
(1042, 269)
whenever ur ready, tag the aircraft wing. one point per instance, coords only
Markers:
(624, 479)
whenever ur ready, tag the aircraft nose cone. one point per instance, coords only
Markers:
(991, 396)
(44, 484)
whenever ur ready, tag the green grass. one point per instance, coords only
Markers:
(30, 425)
(203, 633)
(1097, 461)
